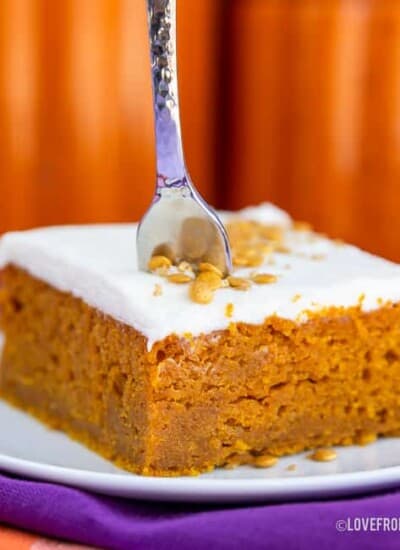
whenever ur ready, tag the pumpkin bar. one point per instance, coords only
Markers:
(179, 370)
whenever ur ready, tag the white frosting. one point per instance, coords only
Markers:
(98, 264)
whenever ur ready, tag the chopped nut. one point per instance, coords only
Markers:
(201, 292)
(207, 267)
(179, 278)
(253, 242)
(238, 283)
(318, 257)
(271, 232)
(292, 468)
(323, 455)
(296, 298)
(264, 278)
(265, 461)
(264, 248)
(239, 261)
(254, 257)
(242, 230)
(212, 280)
(185, 266)
(229, 310)
(248, 259)
(157, 263)
(157, 290)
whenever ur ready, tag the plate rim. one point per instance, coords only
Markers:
(197, 489)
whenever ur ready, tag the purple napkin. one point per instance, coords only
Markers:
(63, 512)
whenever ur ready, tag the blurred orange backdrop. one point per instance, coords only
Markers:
(76, 126)
(294, 102)
(315, 114)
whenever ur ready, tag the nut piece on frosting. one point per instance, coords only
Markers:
(205, 267)
(179, 278)
(159, 264)
(157, 290)
(264, 278)
(239, 283)
(201, 292)
(252, 244)
(213, 280)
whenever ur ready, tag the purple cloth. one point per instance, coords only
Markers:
(107, 522)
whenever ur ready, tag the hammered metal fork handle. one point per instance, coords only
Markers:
(171, 170)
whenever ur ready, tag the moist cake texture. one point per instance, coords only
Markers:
(300, 349)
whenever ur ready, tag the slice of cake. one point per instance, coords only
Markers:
(179, 371)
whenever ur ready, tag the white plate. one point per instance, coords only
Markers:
(29, 449)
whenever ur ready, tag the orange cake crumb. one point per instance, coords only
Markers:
(189, 405)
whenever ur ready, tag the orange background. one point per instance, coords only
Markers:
(294, 102)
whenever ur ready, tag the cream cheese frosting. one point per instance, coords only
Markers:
(97, 263)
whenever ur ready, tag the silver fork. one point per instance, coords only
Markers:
(179, 224)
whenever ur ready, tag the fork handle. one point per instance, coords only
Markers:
(171, 170)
